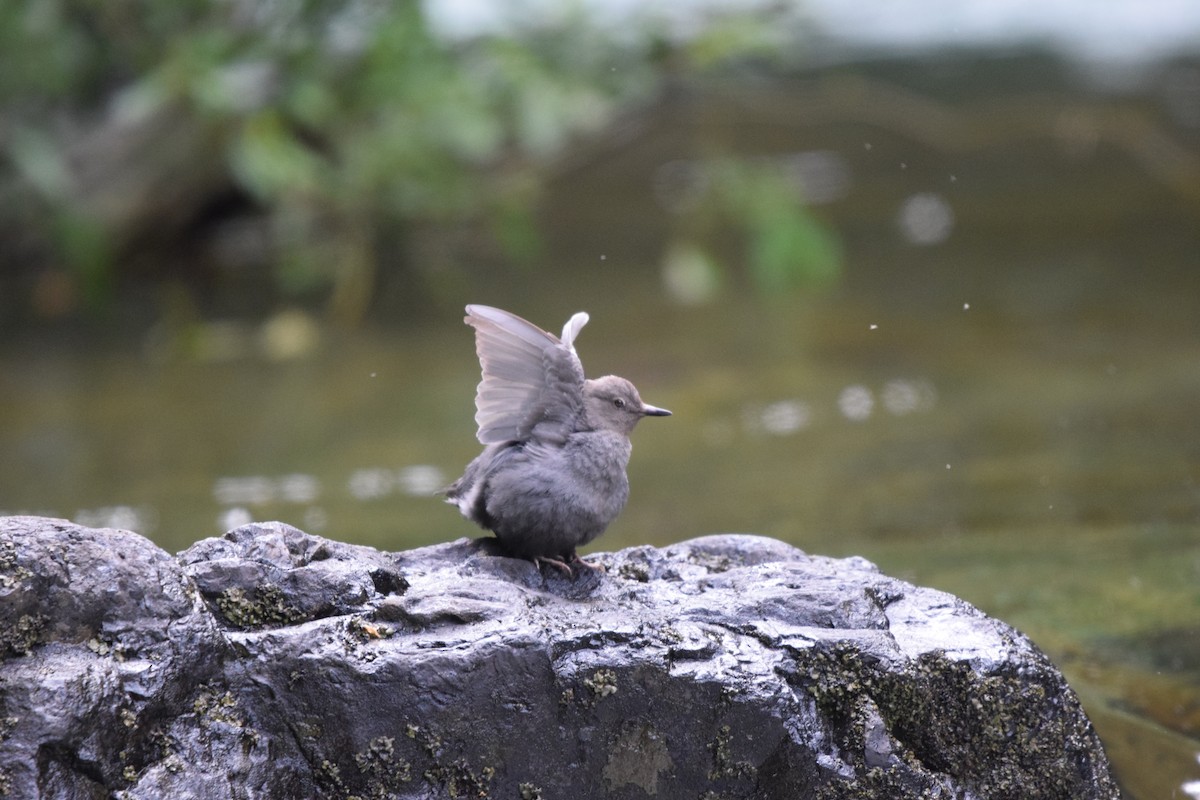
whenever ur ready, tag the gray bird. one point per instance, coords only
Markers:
(551, 476)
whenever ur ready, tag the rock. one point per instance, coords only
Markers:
(271, 663)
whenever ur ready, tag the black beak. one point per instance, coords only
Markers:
(654, 411)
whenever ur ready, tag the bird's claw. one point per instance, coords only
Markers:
(554, 562)
(595, 566)
(572, 561)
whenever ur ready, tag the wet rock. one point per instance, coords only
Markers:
(271, 663)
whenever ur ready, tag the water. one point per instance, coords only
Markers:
(999, 399)
(1040, 459)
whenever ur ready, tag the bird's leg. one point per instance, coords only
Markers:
(554, 562)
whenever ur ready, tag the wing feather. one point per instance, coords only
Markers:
(532, 384)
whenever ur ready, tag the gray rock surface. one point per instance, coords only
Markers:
(274, 664)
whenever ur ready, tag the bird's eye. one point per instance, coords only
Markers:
(619, 402)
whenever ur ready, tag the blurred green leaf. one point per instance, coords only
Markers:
(788, 247)
(269, 160)
(515, 228)
(40, 162)
(342, 120)
(86, 250)
(733, 37)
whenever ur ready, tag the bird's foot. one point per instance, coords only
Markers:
(554, 562)
(565, 564)
(594, 566)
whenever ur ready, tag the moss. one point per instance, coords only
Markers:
(6, 784)
(529, 791)
(11, 572)
(999, 733)
(602, 683)
(713, 562)
(267, 606)
(723, 764)
(163, 744)
(329, 778)
(834, 676)
(459, 780)
(381, 770)
(635, 571)
(23, 635)
(309, 728)
(157, 747)
(637, 755)
(385, 772)
(875, 783)
(456, 777)
(211, 705)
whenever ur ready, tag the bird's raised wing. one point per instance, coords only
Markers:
(532, 386)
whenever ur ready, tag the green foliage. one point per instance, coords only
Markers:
(343, 120)
(86, 248)
(786, 246)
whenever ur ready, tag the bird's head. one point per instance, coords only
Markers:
(613, 404)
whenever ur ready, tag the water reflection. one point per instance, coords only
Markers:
(143, 520)
(903, 396)
(1192, 788)
(239, 494)
(925, 218)
(856, 403)
(781, 418)
(363, 484)
(418, 480)
(260, 489)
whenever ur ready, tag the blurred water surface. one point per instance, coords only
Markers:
(1031, 445)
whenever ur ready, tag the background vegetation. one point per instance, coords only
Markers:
(302, 151)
